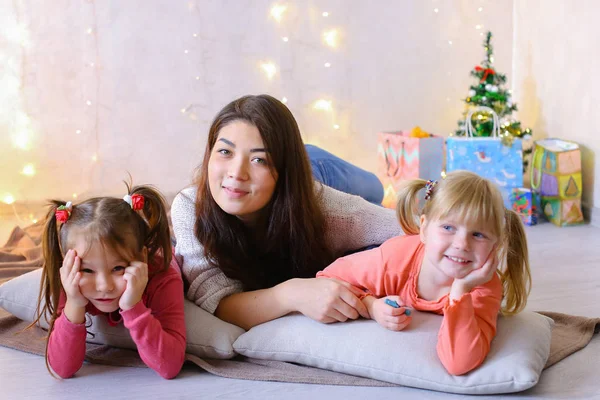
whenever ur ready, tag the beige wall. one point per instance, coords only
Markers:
(557, 80)
(138, 63)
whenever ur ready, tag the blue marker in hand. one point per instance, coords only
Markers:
(396, 305)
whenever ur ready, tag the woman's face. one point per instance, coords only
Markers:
(239, 174)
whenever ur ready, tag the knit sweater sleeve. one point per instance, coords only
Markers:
(207, 283)
(353, 223)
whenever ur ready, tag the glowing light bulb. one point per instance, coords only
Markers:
(480, 9)
(285, 39)
(284, 100)
(8, 199)
(78, 131)
(330, 37)
(74, 195)
(183, 110)
(95, 158)
(336, 126)
(435, 10)
(34, 221)
(277, 12)
(28, 170)
(17, 34)
(321, 104)
(325, 14)
(269, 69)
(186, 51)
(89, 31)
(450, 42)
(89, 103)
(443, 174)
(197, 78)
(477, 26)
(327, 65)
(21, 140)
(195, 35)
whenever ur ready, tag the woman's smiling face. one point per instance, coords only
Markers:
(240, 178)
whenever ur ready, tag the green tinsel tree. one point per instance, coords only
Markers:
(489, 91)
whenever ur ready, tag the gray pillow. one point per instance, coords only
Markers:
(363, 348)
(207, 335)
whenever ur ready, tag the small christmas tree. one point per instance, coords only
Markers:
(489, 91)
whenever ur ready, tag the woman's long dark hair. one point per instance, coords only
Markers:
(293, 242)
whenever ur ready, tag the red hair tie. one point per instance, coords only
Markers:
(136, 201)
(62, 213)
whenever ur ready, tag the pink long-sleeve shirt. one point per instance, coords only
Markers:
(156, 325)
(469, 324)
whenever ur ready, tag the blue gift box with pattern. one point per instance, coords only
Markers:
(489, 158)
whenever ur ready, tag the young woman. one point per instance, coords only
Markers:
(255, 228)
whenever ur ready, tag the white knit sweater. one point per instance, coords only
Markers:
(351, 223)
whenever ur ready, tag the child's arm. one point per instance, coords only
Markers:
(364, 270)
(66, 344)
(468, 327)
(158, 329)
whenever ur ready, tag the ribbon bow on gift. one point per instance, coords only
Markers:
(486, 72)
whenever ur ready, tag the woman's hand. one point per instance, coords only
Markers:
(394, 319)
(477, 277)
(326, 300)
(136, 276)
(70, 275)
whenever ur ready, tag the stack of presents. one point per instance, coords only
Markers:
(555, 171)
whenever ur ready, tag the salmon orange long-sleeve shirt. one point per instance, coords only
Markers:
(156, 325)
(469, 324)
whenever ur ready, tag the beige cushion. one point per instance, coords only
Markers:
(363, 348)
(207, 335)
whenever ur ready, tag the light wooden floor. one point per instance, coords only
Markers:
(566, 278)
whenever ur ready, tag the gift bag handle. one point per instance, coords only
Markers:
(469, 124)
(398, 157)
(536, 180)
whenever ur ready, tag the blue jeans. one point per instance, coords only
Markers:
(343, 176)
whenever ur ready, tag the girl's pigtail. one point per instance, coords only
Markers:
(407, 209)
(50, 285)
(158, 239)
(516, 274)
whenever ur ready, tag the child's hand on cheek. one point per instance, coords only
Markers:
(477, 277)
(136, 276)
(70, 276)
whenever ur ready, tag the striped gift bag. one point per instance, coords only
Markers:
(401, 157)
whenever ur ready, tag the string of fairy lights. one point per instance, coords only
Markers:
(16, 35)
(18, 43)
(330, 38)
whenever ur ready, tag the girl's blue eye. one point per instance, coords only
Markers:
(479, 235)
(119, 269)
(87, 270)
(447, 227)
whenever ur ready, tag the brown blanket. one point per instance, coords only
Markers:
(22, 254)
